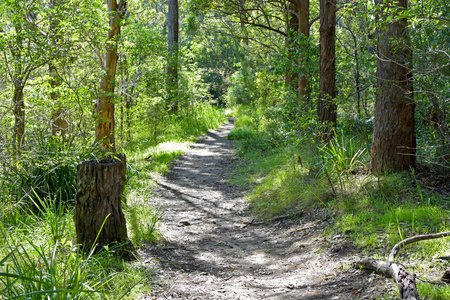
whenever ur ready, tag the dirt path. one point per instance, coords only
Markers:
(212, 252)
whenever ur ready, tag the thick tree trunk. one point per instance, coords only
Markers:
(327, 108)
(394, 142)
(99, 220)
(19, 117)
(104, 130)
(172, 68)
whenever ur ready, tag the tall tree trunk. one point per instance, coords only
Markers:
(327, 107)
(59, 122)
(303, 11)
(291, 76)
(104, 130)
(172, 68)
(19, 115)
(394, 142)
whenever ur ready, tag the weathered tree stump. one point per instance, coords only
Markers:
(99, 220)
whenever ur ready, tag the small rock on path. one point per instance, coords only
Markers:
(212, 251)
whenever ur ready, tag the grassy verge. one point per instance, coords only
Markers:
(38, 257)
(375, 212)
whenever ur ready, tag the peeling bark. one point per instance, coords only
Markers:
(104, 130)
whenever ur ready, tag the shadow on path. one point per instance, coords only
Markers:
(211, 251)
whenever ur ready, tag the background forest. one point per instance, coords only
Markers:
(318, 119)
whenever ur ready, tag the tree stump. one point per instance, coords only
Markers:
(99, 192)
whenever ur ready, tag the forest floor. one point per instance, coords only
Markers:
(213, 248)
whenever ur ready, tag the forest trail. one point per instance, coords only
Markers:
(211, 251)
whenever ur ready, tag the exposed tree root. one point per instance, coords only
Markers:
(406, 282)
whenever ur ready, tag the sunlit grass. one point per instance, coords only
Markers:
(38, 240)
(375, 212)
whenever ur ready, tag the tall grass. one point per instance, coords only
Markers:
(46, 168)
(37, 256)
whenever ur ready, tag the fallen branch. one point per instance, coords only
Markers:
(406, 282)
(414, 239)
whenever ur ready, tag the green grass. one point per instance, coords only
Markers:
(38, 257)
(35, 265)
(374, 212)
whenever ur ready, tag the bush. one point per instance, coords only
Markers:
(241, 133)
(47, 169)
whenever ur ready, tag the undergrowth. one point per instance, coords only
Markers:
(375, 212)
(38, 257)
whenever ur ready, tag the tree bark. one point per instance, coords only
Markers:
(327, 108)
(394, 142)
(104, 130)
(59, 122)
(19, 115)
(406, 282)
(172, 68)
(99, 220)
(303, 11)
(291, 76)
(296, 41)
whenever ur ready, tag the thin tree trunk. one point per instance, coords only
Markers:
(19, 116)
(327, 108)
(172, 68)
(104, 130)
(394, 142)
(59, 122)
(357, 72)
(304, 87)
(292, 77)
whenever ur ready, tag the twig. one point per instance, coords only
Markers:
(414, 239)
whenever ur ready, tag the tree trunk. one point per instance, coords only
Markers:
(394, 142)
(327, 107)
(99, 220)
(291, 76)
(172, 68)
(19, 116)
(104, 130)
(59, 122)
(303, 11)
